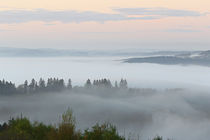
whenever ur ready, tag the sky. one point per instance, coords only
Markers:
(106, 24)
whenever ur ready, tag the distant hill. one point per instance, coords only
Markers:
(193, 58)
(25, 52)
(46, 52)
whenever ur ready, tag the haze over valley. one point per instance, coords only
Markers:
(104, 70)
(177, 94)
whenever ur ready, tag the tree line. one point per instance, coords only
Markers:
(55, 85)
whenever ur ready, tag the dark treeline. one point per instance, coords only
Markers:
(56, 85)
(22, 128)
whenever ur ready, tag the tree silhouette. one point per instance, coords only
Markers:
(123, 83)
(88, 84)
(69, 85)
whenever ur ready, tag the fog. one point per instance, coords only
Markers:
(173, 114)
(177, 114)
(81, 68)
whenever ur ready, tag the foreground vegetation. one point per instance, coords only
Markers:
(22, 128)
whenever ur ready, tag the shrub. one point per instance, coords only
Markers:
(102, 132)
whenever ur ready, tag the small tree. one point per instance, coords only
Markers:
(32, 86)
(158, 138)
(42, 84)
(123, 83)
(116, 84)
(88, 84)
(105, 131)
(69, 86)
(66, 128)
(25, 86)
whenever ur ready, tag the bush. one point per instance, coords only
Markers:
(102, 132)
(23, 129)
(158, 138)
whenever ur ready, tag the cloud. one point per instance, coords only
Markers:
(158, 12)
(66, 16)
(181, 30)
(5, 30)
(49, 24)
(19, 16)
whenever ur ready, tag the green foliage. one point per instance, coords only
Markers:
(40, 131)
(102, 132)
(22, 129)
(158, 138)
(68, 118)
(66, 129)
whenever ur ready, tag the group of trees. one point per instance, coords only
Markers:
(7, 87)
(106, 83)
(52, 84)
(55, 85)
(22, 128)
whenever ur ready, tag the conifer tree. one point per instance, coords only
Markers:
(69, 86)
(88, 84)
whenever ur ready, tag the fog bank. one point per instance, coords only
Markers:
(181, 114)
(81, 68)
